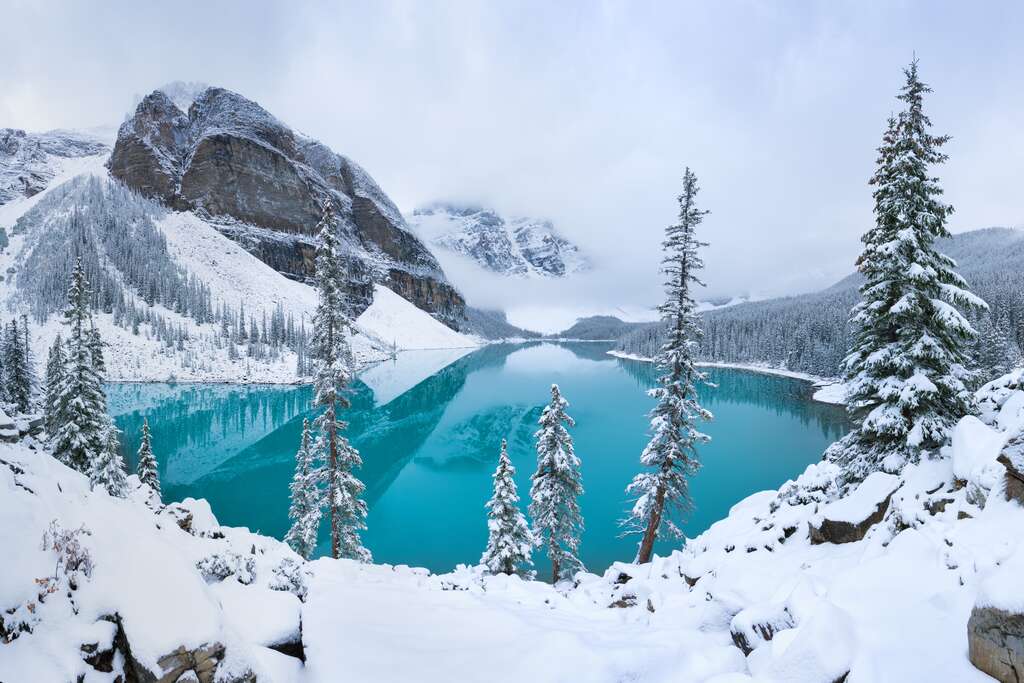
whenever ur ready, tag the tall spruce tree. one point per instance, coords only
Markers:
(305, 510)
(147, 467)
(662, 492)
(332, 360)
(509, 541)
(907, 375)
(554, 490)
(80, 411)
(16, 376)
(55, 362)
(30, 362)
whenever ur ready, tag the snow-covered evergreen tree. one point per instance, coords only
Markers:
(147, 467)
(107, 471)
(509, 541)
(16, 376)
(80, 410)
(662, 492)
(305, 510)
(906, 371)
(30, 362)
(554, 490)
(332, 362)
(55, 369)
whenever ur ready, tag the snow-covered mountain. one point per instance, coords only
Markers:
(29, 161)
(177, 299)
(215, 153)
(516, 246)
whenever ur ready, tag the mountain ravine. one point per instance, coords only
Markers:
(262, 184)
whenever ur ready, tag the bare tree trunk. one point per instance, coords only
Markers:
(651, 532)
(553, 554)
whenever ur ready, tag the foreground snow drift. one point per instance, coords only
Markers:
(882, 592)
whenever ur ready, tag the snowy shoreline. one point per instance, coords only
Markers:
(827, 389)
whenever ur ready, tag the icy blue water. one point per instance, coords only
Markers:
(430, 443)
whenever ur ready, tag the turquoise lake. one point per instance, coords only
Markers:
(429, 439)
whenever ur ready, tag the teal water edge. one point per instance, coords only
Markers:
(430, 439)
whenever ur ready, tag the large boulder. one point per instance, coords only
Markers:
(995, 641)
(995, 630)
(262, 184)
(848, 519)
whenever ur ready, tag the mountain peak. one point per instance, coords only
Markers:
(183, 93)
(518, 246)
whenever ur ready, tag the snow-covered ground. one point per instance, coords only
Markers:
(826, 390)
(797, 585)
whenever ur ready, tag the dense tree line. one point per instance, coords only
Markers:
(113, 232)
(811, 332)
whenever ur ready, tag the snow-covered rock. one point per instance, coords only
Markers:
(517, 246)
(849, 519)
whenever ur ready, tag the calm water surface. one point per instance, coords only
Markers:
(429, 440)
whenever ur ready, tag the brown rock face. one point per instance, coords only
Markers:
(995, 643)
(1012, 458)
(230, 161)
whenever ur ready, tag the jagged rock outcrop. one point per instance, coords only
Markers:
(519, 246)
(26, 159)
(262, 184)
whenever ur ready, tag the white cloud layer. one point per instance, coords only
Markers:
(584, 113)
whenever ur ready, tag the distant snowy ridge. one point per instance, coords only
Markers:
(515, 246)
(29, 161)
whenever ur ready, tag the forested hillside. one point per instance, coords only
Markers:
(809, 332)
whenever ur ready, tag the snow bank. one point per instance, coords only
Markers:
(975, 447)
(890, 607)
(830, 392)
(399, 324)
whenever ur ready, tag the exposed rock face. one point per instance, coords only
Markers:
(26, 159)
(849, 519)
(1012, 458)
(232, 162)
(995, 641)
(520, 246)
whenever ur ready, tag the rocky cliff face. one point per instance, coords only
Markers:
(27, 160)
(262, 184)
(518, 246)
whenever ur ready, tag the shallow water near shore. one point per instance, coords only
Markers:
(429, 438)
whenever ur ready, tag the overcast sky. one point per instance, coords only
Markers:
(585, 113)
